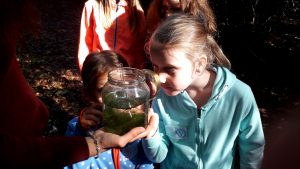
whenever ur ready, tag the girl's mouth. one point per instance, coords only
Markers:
(166, 87)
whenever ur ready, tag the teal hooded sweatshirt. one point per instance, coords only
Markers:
(208, 138)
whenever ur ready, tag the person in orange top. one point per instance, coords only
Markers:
(113, 25)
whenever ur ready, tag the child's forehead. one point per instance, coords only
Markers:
(166, 48)
(102, 79)
(167, 53)
(171, 3)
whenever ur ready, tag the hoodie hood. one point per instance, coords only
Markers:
(223, 82)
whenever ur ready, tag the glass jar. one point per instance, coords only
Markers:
(125, 98)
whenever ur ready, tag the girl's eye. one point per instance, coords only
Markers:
(170, 70)
(155, 68)
(174, 10)
(98, 91)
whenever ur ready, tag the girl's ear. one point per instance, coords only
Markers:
(200, 64)
(203, 62)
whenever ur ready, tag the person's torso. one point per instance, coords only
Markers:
(204, 137)
(119, 36)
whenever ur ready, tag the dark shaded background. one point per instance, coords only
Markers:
(261, 38)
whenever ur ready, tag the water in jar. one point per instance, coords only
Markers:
(125, 109)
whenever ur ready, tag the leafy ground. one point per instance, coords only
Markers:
(265, 59)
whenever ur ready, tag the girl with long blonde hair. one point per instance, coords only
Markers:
(117, 25)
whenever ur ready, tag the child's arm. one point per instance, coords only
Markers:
(251, 137)
(73, 128)
(86, 33)
(89, 118)
(155, 145)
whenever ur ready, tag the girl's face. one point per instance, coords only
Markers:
(102, 79)
(170, 7)
(174, 69)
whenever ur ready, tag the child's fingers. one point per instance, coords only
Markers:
(108, 140)
(134, 134)
(152, 124)
(153, 82)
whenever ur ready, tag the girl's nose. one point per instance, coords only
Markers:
(100, 100)
(162, 78)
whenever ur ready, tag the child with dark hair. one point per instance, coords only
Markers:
(94, 76)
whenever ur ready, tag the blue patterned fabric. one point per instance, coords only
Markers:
(131, 156)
